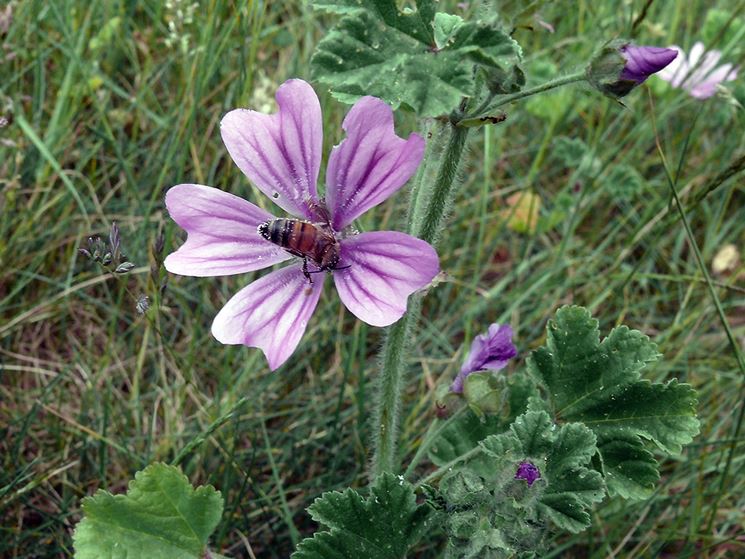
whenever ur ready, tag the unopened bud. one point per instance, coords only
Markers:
(620, 66)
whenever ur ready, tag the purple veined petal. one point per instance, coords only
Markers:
(222, 237)
(492, 350)
(643, 61)
(371, 164)
(280, 153)
(489, 351)
(271, 313)
(676, 71)
(385, 267)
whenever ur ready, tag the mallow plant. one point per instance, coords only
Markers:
(507, 458)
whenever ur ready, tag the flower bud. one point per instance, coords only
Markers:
(528, 471)
(490, 351)
(620, 66)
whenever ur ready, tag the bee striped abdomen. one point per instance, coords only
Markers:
(291, 233)
(303, 239)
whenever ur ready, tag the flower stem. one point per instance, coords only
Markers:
(485, 111)
(442, 470)
(429, 226)
(425, 221)
(436, 428)
(389, 388)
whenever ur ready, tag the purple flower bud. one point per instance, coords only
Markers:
(489, 351)
(642, 62)
(620, 66)
(529, 472)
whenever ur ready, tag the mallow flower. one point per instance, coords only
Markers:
(374, 272)
(620, 66)
(490, 351)
(698, 72)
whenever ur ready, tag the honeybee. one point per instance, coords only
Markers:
(314, 241)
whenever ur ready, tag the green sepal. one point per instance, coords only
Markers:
(511, 396)
(483, 393)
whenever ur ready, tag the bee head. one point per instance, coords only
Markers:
(263, 230)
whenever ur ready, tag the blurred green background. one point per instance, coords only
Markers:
(108, 104)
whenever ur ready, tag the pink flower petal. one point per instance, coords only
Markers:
(222, 237)
(696, 51)
(702, 90)
(706, 87)
(709, 62)
(370, 164)
(280, 153)
(698, 72)
(271, 313)
(385, 267)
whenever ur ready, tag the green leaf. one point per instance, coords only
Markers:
(446, 26)
(624, 182)
(562, 456)
(463, 435)
(161, 515)
(598, 384)
(629, 467)
(417, 58)
(494, 514)
(383, 525)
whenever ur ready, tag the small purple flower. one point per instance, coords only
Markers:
(529, 472)
(489, 351)
(642, 62)
(698, 73)
(374, 272)
(620, 66)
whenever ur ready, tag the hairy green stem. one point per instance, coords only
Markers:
(425, 221)
(485, 111)
(426, 216)
(436, 428)
(442, 470)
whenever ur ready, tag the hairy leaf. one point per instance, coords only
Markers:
(414, 57)
(383, 525)
(494, 512)
(598, 383)
(562, 455)
(161, 515)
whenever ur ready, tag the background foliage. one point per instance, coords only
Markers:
(108, 104)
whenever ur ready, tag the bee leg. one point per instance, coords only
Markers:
(305, 270)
